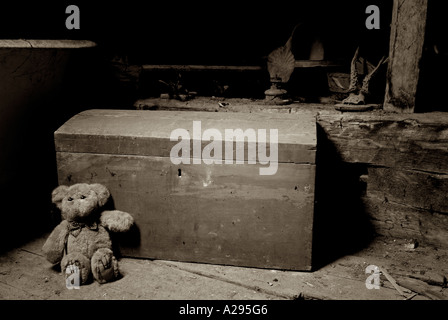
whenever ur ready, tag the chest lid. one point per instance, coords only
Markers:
(156, 133)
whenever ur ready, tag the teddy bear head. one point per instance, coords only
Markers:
(80, 201)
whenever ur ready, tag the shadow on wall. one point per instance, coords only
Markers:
(341, 226)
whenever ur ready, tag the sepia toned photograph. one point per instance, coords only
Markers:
(224, 156)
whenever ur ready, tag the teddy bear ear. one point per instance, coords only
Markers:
(102, 192)
(58, 194)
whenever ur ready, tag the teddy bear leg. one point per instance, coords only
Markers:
(104, 265)
(78, 263)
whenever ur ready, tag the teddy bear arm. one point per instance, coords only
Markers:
(53, 248)
(116, 220)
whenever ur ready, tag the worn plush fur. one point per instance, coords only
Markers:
(82, 239)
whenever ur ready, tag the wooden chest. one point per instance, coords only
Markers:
(198, 193)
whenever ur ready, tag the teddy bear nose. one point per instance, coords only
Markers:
(70, 199)
(83, 197)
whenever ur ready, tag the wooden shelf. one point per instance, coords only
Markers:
(176, 67)
(201, 68)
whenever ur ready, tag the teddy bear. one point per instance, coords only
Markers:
(82, 241)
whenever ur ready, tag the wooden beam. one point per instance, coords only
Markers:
(418, 189)
(405, 51)
(406, 141)
(395, 220)
(189, 67)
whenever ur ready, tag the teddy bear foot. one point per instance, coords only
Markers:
(76, 263)
(104, 266)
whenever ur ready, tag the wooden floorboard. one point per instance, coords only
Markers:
(26, 275)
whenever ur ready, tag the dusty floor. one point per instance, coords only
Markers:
(26, 275)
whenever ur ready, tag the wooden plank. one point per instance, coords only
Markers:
(23, 271)
(315, 63)
(407, 141)
(405, 51)
(222, 214)
(46, 44)
(400, 221)
(413, 188)
(422, 288)
(212, 104)
(156, 280)
(28, 276)
(342, 280)
(189, 67)
(139, 132)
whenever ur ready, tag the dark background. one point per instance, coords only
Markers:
(203, 33)
(214, 32)
(218, 32)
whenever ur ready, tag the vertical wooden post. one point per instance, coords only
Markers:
(405, 50)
